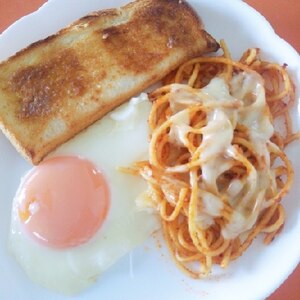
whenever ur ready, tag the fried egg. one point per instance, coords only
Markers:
(74, 215)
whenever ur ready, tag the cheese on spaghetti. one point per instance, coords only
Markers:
(217, 170)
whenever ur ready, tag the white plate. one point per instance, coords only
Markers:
(152, 275)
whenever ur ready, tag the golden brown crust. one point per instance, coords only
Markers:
(56, 87)
(40, 87)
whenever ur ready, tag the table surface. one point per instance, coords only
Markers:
(283, 16)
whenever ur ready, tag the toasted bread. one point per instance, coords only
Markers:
(58, 86)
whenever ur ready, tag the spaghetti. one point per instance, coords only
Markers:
(217, 170)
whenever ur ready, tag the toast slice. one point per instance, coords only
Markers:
(58, 86)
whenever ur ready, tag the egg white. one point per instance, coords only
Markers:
(119, 139)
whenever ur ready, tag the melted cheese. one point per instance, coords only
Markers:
(242, 102)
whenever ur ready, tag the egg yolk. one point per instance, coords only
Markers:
(63, 201)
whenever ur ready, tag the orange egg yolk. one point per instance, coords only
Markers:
(63, 201)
